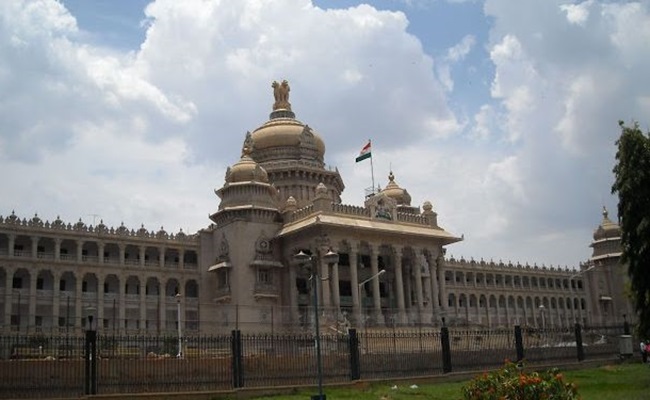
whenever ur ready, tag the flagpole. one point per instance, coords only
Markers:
(372, 169)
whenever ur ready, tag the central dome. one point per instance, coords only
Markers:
(283, 137)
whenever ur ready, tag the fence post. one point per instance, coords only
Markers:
(237, 370)
(353, 346)
(90, 376)
(519, 343)
(446, 348)
(579, 348)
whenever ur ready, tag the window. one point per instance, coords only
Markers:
(38, 320)
(223, 279)
(64, 251)
(265, 276)
(15, 320)
(17, 283)
(345, 288)
(62, 285)
(301, 285)
(84, 286)
(39, 284)
(61, 321)
(105, 287)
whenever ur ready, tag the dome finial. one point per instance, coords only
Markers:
(605, 213)
(281, 94)
(391, 177)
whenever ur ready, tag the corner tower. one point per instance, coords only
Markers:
(292, 153)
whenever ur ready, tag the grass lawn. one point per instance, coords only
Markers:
(625, 381)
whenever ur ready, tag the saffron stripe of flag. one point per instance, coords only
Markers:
(365, 152)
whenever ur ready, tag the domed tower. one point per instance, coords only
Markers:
(400, 195)
(242, 256)
(607, 278)
(292, 153)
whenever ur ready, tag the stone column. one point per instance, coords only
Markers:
(78, 301)
(57, 249)
(442, 283)
(161, 256)
(435, 294)
(56, 298)
(8, 295)
(100, 252)
(80, 246)
(374, 270)
(12, 243)
(142, 325)
(142, 255)
(399, 285)
(35, 247)
(336, 292)
(418, 289)
(162, 307)
(121, 315)
(181, 259)
(293, 292)
(354, 282)
(408, 289)
(100, 302)
(325, 293)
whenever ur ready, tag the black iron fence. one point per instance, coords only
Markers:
(33, 366)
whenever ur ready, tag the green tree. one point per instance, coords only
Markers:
(632, 184)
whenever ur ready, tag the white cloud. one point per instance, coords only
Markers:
(577, 13)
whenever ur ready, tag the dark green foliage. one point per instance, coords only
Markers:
(632, 184)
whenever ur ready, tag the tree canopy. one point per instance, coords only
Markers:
(632, 184)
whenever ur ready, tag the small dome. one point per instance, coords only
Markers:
(161, 233)
(80, 226)
(393, 191)
(142, 232)
(246, 170)
(607, 228)
(58, 223)
(291, 203)
(122, 230)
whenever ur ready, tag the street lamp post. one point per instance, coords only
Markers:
(180, 332)
(377, 275)
(330, 258)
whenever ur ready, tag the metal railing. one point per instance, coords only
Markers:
(57, 365)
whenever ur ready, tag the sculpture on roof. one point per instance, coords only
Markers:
(281, 94)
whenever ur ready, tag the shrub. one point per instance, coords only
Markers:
(512, 383)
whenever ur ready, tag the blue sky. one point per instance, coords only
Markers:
(502, 114)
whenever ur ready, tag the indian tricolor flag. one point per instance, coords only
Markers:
(365, 153)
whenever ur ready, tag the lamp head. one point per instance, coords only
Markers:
(331, 257)
(302, 257)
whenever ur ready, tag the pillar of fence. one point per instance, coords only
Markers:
(90, 356)
(353, 345)
(579, 348)
(519, 343)
(446, 348)
(237, 358)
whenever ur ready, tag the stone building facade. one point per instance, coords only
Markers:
(241, 270)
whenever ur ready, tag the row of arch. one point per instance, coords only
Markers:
(510, 281)
(557, 310)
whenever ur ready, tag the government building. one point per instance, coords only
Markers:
(280, 228)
